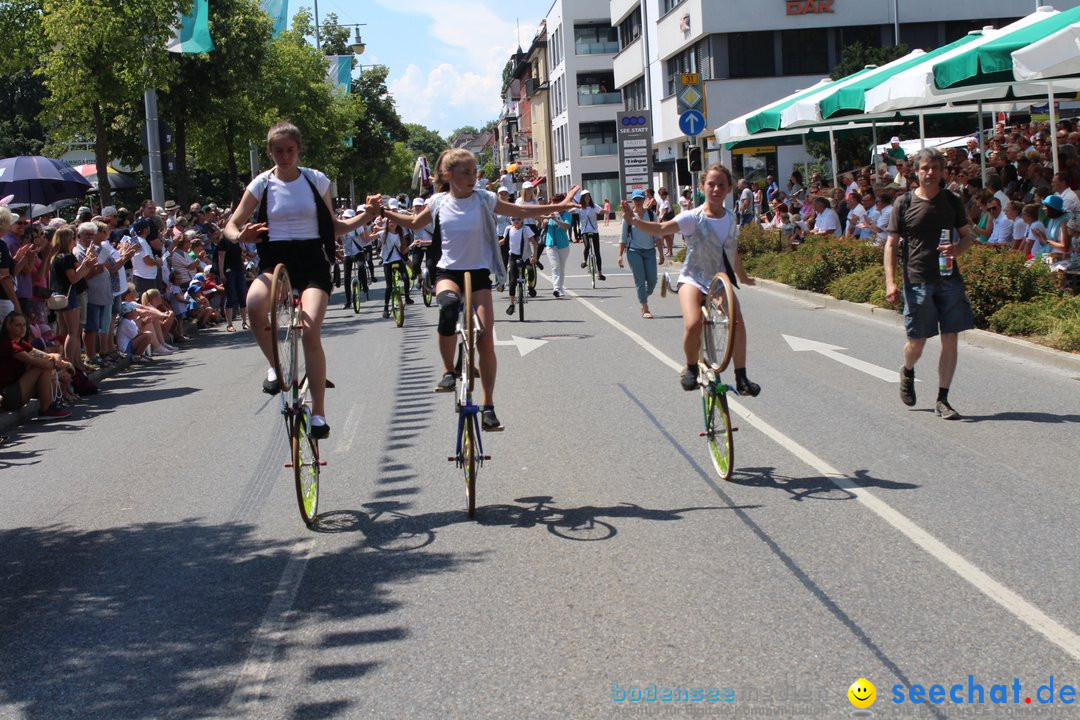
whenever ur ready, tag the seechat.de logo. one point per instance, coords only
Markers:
(634, 120)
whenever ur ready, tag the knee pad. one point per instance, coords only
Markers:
(449, 306)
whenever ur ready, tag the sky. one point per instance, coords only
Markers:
(445, 56)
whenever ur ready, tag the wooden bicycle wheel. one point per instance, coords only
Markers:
(469, 370)
(283, 328)
(719, 322)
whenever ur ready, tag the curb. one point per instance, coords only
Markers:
(1069, 362)
(29, 411)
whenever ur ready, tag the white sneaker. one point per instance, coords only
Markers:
(173, 348)
(163, 350)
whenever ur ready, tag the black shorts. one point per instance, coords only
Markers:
(481, 279)
(305, 260)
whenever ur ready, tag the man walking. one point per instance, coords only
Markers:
(933, 228)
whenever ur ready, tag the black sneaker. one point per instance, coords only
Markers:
(320, 432)
(583, 265)
(386, 313)
(557, 293)
(409, 301)
(539, 265)
(271, 387)
(688, 378)
(447, 383)
(945, 410)
(600, 276)
(907, 388)
(510, 310)
(488, 421)
(747, 387)
(532, 292)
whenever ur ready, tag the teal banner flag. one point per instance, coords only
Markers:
(278, 10)
(192, 34)
(340, 72)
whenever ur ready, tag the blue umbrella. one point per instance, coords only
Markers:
(37, 179)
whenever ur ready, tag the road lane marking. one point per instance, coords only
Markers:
(1012, 602)
(270, 634)
(832, 352)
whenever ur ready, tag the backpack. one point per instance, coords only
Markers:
(82, 384)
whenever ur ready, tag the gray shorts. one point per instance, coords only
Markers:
(930, 308)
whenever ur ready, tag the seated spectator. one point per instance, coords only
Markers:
(26, 372)
(135, 335)
(199, 307)
(166, 320)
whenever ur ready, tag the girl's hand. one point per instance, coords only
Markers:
(626, 209)
(252, 232)
(619, 261)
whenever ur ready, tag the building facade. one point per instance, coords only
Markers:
(752, 52)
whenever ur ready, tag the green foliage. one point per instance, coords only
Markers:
(857, 56)
(1052, 320)
(819, 261)
(756, 240)
(994, 279)
(376, 131)
(333, 38)
(425, 142)
(21, 39)
(21, 96)
(863, 286)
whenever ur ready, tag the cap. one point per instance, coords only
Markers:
(394, 204)
(349, 213)
(501, 190)
(637, 195)
(418, 202)
(199, 278)
(194, 288)
(127, 307)
(182, 221)
(527, 185)
(108, 211)
(585, 192)
(82, 209)
(1055, 202)
(170, 204)
(894, 140)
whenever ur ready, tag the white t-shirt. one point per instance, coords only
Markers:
(827, 220)
(462, 227)
(107, 253)
(126, 331)
(517, 237)
(588, 218)
(139, 268)
(854, 217)
(883, 223)
(665, 207)
(746, 203)
(708, 240)
(1038, 246)
(182, 263)
(1072, 202)
(290, 206)
(1020, 229)
(391, 251)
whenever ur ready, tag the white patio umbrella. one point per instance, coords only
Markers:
(736, 130)
(1054, 56)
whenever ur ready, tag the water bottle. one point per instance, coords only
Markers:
(945, 262)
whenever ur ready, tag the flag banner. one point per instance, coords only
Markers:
(340, 72)
(278, 10)
(192, 34)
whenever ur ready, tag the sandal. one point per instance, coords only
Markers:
(243, 326)
(646, 314)
(230, 328)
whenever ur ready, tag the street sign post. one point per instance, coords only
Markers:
(692, 122)
(634, 132)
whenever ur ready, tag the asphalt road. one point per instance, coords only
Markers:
(153, 564)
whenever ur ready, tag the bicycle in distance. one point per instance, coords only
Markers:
(397, 297)
(287, 326)
(717, 331)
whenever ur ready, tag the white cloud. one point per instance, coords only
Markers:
(464, 88)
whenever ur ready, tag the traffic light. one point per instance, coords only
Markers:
(693, 158)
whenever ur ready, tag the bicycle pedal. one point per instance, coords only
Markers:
(322, 463)
(734, 429)
(451, 459)
(288, 465)
(486, 457)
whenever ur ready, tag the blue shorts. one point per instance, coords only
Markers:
(97, 318)
(930, 308)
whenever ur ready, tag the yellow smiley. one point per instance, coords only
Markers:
(862, 693)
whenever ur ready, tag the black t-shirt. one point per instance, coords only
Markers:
(6, 261)
(61, 264)
(234, 256)
(920, 226)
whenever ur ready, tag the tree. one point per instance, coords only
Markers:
(21, 40)
(210, 104)
(98, 58)
(334, 38)
(376, 131)
(857, 56)
(21, 98)
(423, 141)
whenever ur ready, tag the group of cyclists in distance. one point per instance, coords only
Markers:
(460, 228)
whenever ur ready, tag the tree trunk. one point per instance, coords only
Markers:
(180, 140)
(233, 173)
(101, 155)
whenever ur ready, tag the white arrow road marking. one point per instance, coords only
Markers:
(524, 345)
(799, 344)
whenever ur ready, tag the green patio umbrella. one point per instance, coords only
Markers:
(769, 117)
(991, 62)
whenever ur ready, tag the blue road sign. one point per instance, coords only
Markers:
(692, 122)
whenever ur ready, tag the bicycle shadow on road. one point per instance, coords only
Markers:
(1020, 416)
(814, 487)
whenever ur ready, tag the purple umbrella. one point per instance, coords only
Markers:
(37, 179)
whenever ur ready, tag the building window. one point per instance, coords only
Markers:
(630, 28)
(598, 138)
(556, 47)
(751, 54)
(667, 6)
(634, 95)
(684, 62)
(868, 36)
(922, 36)
(595, 39)
(596, 88)
(804, 51)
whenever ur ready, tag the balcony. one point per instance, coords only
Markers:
(510, 110)
(605, 47)
(533, 86)
(590, 149)
(607, 98)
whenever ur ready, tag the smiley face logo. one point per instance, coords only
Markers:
(862, 693)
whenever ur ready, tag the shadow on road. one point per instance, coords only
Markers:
(811, 488)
